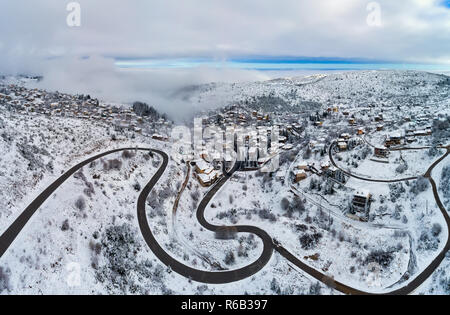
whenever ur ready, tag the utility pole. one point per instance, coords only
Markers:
(329, 219)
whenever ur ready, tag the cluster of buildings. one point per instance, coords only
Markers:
(347, 142)
(253, 132)
(332, 173)
(300, 171)
(55, 104)
(410, 135)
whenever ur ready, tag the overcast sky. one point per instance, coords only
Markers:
(35, 37)
(411, 30)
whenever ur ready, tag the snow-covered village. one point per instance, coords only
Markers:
(221, 156)
(349, 195)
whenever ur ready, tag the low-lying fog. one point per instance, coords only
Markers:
(100, 78)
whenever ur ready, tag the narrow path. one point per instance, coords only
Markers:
(202, 256)
(183, 187)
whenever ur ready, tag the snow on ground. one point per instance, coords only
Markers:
(37, 150)
(67, 228)
(67, 235)
(359, 88)
(439, 282)
(441, 175)
(186, 240)
(416, 163)
(260, 205)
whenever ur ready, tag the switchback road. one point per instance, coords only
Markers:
(213, 277)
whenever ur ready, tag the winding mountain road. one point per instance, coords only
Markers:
(216, 277)
(213, 277)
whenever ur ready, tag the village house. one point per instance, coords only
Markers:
(206, 174)
(393, 139)
(303, 166)
(381, 152)
(325, 165)
(336, 174)
(160, 137)
(207, 180)
(299, 175)
(360, 205)
(203, 167)
(423, 132)
(342, 145)
(312, 168)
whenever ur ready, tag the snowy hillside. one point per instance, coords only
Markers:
(352, 88)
